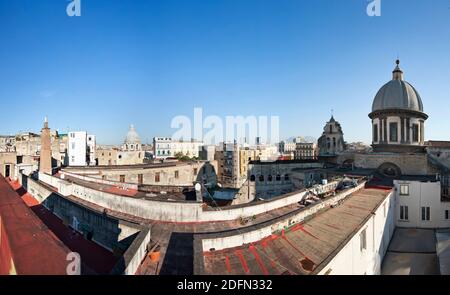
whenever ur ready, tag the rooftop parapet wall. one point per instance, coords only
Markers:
(147, 209)
(256, 208)
(134, 255)
(256, 233)
(171, 211)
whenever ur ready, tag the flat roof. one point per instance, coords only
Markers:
(34, 248)
(137, 166)
(302, 249)
(131, 193)
(284, 162)
(438, 144)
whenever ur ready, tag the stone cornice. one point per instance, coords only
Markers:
(397, 112)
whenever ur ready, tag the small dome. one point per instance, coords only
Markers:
(132, 136)
(397, 94)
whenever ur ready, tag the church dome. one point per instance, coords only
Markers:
(132, 136)
(397, 94)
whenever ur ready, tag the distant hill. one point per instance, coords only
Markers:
(302, 139)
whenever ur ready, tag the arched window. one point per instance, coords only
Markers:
(286, 177)
(261, 178)
(269, 178)
(252, 178)
(278, 178)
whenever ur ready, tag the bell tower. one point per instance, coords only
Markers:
(45, 163)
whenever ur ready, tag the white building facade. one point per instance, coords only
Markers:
(79, 150)
(165, 147)
(419, 204)
(162, 147)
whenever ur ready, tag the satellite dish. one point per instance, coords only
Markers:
(198, 187)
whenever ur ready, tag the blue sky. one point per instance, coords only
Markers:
(144, 62)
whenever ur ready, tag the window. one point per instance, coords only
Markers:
(404, 190)
(363, 240)
(334, 141)
(415, 132)
(393, 132)
(446, 214)
(195, 171)
(422, 130)
(104, 177)
(73, 145)
(404, 213)
(122, 178)
(269, 178)
(177, 174)
(261, 178)
(286, 177)
(157, 177)
(375, 133)
(425, 213)
(140, 178)
(252, 178)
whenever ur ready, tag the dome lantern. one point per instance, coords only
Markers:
(397, 73)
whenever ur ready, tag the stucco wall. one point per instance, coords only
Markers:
(169, 210)
(105, 231)
(410, 164)
(184, 174)
(421, 194)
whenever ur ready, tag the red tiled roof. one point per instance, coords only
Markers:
(94, 256)
(438, 144)
(33, 248)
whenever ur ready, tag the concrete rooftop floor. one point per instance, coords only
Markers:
(411, 252)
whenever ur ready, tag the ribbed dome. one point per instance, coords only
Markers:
(132, 136)
(397, 94)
